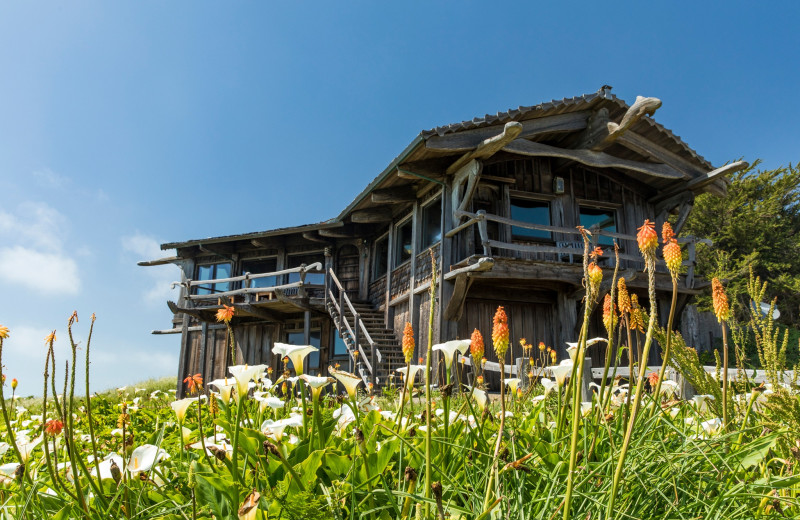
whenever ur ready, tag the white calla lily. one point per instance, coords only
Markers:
(480, 396)
(243, 374)
(513, 383)
(449, 349)
(296, 354)
(181, 406)
(317, 383)
(413, 373)
(548, 385)
(225, 386)
(145, 457)
(348, 380)
(561, 371)
(276, 427)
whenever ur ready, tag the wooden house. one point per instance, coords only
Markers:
(495, 201)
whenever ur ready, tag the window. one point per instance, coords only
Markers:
(381, 257)
(339, 346)
(403, 243)
(605, 219)
(533, 212)
(213, 272)
(431, 224)
(312, 277)
(312, 360)
(259, 266)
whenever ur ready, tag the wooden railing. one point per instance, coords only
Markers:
(247, 279)
(357, 330)
(481, 218)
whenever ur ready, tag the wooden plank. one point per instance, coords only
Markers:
(371, 215)
(396, 195)
(648, 148)
(469, 139)
(703, 181)
(489, 146)
(160, 261)
(592, 158)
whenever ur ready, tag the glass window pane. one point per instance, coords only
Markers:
(381, 257)
(602, 218)
(339, 346)
(532, 211)
(204, 272)
(404, 247)
(312, 277)
(431, 224)
(312, 360)
(222, 271)
(262, 265)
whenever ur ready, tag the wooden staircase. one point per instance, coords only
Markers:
(374, 349)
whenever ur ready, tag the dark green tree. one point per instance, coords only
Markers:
(758, 225)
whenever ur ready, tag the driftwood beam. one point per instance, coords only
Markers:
(467, 140)
(488, 147)
(371, 215)
(602, 133)
(397, 195)
(592, 158)
(702, 181)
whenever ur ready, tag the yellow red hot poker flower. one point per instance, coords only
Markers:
(609, 314)
(225, 314)
(647, 238)
(720, 300)
(673, 257)
(500, 332)
(637, 316)
(3, 332)
(408, 342)
(623, 298)
(476, 348)
(595, 276)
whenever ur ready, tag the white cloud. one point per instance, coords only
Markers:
(33, 253)
(47, 178)
(47, 273)
(145, 247)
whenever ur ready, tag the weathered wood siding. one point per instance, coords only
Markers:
(532, 321)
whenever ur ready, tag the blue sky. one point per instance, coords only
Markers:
(119, 119)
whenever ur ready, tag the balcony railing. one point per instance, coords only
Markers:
(562, 249)
(246, 281)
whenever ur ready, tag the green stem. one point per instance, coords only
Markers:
(429, 432)
(576, 410)
(236, 426)
(650, 267)
(724, 376)
(662, 372)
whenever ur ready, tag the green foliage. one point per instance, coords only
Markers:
(757, 225)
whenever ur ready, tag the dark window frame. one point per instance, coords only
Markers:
(547, 202)
(397, 257)
(424, 222)
(380, 268)
(602, 240)
(275, 279)
(212, 288)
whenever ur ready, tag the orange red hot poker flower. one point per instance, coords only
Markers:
(609, 313)
(647, 238)
(476, 348)
(623, 298)
(408, 342)
(720, 300)
(500, 332)
(225, 314)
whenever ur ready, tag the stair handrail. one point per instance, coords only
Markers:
(358, 325)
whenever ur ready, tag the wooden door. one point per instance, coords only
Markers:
(347, 269)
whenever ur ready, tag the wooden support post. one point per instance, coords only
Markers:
(412, 298)
(586, 392)
(307, 328)
(203, 350)
(184, 354)
(387, 310)
(356, 338)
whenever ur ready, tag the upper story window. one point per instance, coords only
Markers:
(532, 212)
(260, 266)
(213, 272)
(603, 218)
(312, 277)
(404, 245)
(431, 224)
(381, 257)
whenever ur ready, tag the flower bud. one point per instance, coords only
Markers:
(720, 301)
(647, 238)
(500, 333)
(673, 257)
(408, 342)
(476, 346)
(14, 383)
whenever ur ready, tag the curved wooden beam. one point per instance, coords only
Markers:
(488, 147)
(592, 158)
(641, 107)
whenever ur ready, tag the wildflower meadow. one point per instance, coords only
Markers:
(259, 445)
